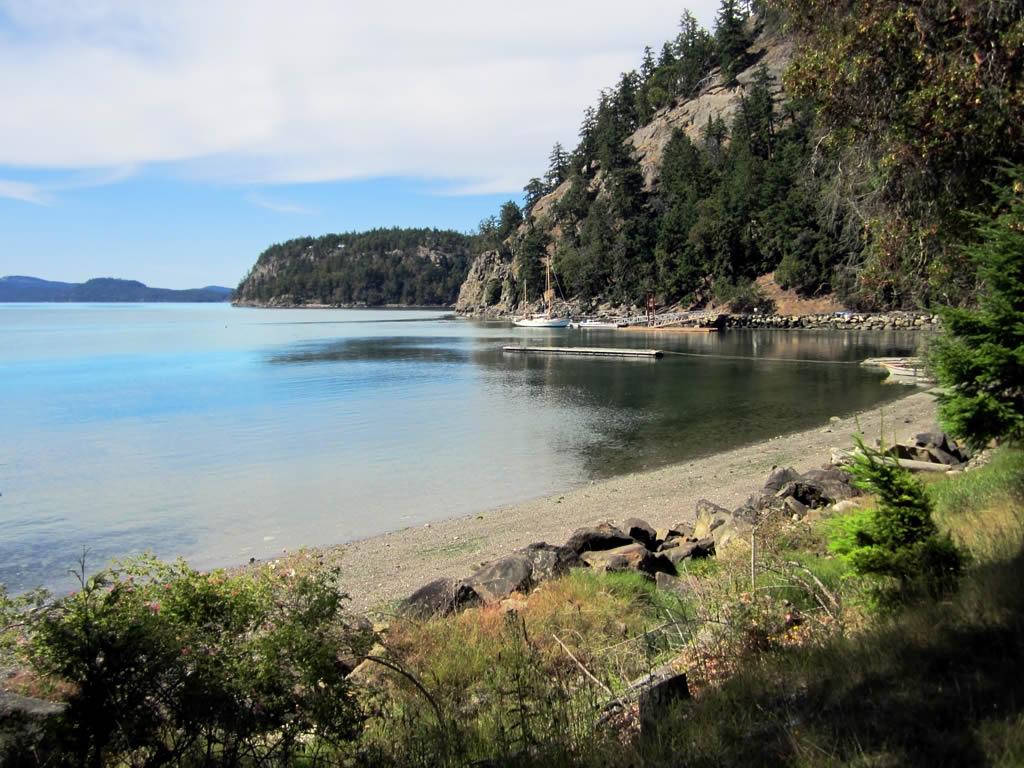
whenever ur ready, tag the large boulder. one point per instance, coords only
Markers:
(690, 550)
(631, 557)
(441, 597)
(497, 580)
(709, 517)
(597, 539)
(549, 561)
(778, 477)
(27, 730)
(734, 529)
(835, 484)
(639, 530)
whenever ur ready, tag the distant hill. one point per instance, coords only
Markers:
(400, 267)
(18, 288)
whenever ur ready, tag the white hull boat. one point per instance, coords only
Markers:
(542, 322)
(598, 324)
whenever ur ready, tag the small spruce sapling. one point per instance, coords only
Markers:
(898, 537)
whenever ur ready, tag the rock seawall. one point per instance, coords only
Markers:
(853, 321)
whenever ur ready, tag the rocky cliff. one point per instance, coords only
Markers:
(490, 287)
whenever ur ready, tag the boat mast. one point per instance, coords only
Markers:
(549, 295)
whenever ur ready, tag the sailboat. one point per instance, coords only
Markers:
(545, 320)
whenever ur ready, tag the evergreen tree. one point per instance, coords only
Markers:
(535, 189)
(731, 39)
(980, 357)
(510, 219)
(558, 166)
(531, 252)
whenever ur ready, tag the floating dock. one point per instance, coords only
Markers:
(587, 351)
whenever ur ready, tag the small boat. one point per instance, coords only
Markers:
(598, 324)
(542, 321)
(546, 320)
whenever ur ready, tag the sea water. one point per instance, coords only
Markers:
(219, 433)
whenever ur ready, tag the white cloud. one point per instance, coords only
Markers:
(44, 193)
(278, 206)
(313, 90)
(24, 191)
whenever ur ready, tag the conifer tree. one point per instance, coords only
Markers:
(980, 357)
(731, 38)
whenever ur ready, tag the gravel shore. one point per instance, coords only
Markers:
(384, 568)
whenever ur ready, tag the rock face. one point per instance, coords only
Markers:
(490, 287)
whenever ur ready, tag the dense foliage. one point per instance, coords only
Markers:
(916, 105)
(895, 121)
(415, 267)
(169, 666)
(979, 359)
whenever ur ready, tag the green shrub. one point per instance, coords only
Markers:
(898, 537)
(170, 665)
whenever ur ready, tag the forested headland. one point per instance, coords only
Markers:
(411, 267)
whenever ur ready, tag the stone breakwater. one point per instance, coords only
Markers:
(858, 321)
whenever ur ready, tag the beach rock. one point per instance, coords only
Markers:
(679, 530)
(367, 670)
(27, 729)
(691, 550)
(795, 508)
(709, 517)
(639, 530)
(496, 581)
(597, 539)
(549, 561)
(735, 529)
(810, 495)
(834, 484)
(778, 477)
(669, 583)
(441, 597)
(632, 557)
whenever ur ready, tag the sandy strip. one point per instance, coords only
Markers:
(384, 568)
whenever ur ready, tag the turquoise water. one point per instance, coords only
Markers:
(221, 434)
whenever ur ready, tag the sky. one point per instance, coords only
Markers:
(171, 142)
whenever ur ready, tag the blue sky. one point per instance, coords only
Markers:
(171, 142)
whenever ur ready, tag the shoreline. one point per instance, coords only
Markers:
(381, 569)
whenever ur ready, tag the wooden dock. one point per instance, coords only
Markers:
(588, 351)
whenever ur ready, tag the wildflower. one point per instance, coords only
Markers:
(154, 606)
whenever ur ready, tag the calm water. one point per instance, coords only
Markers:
(220, 433)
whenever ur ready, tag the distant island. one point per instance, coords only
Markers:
(18, 288)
